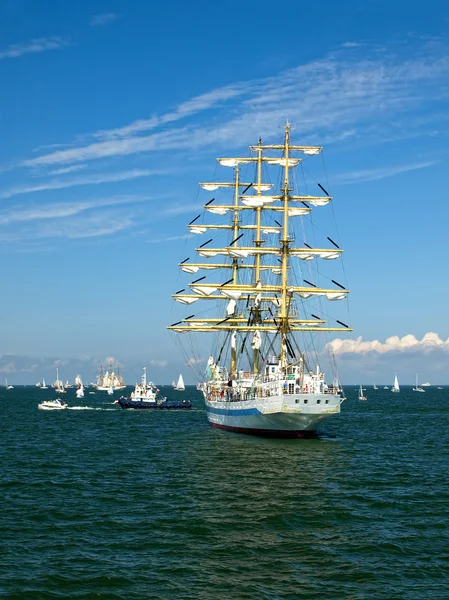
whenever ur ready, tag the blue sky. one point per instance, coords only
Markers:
(110, 114)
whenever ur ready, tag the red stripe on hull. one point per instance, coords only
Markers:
(269, 433)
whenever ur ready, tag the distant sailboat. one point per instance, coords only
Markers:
(180, 387)
(8, 387)
(395, 387)
(79, 387)
(58, 385)
(417, 388)
(43, 385)
(385, 387)
(361, 396)
(375, 387)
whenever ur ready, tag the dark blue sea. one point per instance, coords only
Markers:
(104, 503)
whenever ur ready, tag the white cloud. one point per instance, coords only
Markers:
(408, 343)
(158, 363)
(380, 172)
(195, 361)
(32, 47)
(57, 184)
(171, 238)
(323, 98)
(63, 210)
(103, 19)
(65, 170)
(195, 105)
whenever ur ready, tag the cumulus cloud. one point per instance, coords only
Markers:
(407, 343)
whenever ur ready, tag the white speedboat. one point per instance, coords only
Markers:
(52, 405)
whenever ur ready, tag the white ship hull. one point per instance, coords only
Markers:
(276, 416)
(102, 388)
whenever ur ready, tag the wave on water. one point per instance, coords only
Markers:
(89, 408)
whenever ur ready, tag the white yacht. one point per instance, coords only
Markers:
(180, 387)
(395, 387)
(52, 405)
(361, 396)
(417, 388)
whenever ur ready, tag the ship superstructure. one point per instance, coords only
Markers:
(259, 379)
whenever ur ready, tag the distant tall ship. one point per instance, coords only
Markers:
(110, 380)
(260, 379)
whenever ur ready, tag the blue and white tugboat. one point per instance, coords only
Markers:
(145, 395)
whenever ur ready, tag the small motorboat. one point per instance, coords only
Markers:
(52, 405)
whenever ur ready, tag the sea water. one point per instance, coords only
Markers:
(100, 502)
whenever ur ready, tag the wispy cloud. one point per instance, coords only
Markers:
(103, 19)
(171, 238)
(62, 210)
(57, 184)
(407, 343)
(65, 170)
(158, 363)
(379, 173)
(77, 227)
(332, 98)
(33, 47)
(191, 107)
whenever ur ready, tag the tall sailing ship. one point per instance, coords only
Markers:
(260, 378)
(109, 379)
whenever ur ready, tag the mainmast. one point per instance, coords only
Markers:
(284, 254)
(258, 243)
(235, 266)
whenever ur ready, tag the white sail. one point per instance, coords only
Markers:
(180, 385)
(395, 387)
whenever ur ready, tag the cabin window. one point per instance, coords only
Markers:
(291, 388)
(273, 369)
(327, 401)
(305, 401)
(318, 401)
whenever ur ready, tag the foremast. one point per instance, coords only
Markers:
(258, 290)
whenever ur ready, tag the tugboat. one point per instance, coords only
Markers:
(145, 395)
